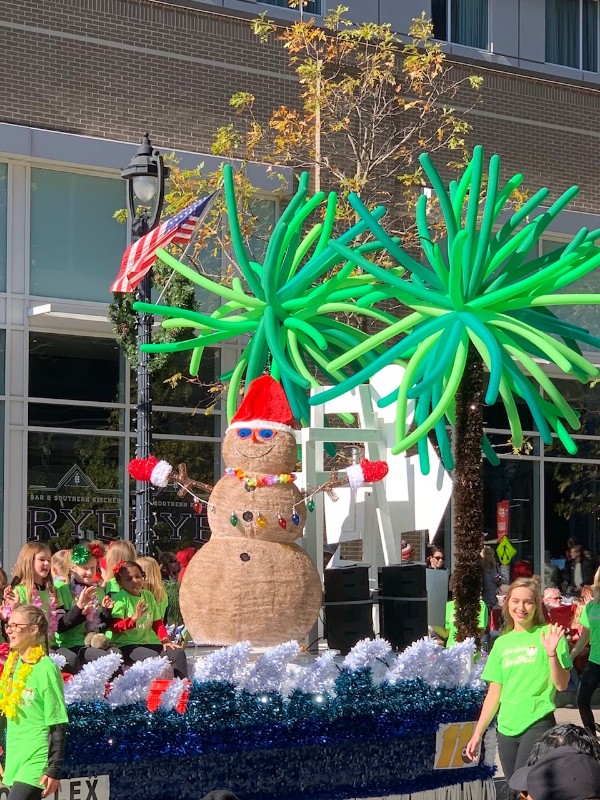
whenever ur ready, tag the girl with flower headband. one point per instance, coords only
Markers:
(87, 608)
(137, 625)
(32, 699)
(118, 550)
(32, 585)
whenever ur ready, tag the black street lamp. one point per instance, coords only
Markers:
(145, 175)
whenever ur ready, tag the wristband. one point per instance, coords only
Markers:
(552, 655)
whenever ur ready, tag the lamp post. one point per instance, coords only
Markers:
(145, 176)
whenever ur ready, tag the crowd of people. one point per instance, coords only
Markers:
(83, 602)
(539, 643)
(79, 603)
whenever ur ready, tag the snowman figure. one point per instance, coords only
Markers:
(251, 581)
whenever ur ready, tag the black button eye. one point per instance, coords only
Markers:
(245, 556)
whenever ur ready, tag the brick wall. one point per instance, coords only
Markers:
(115, 68)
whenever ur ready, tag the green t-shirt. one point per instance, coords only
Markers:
(112, 586)
(44, 595)
(42, 704)
(590, 618)
(451, 627)
(125, 605)
(519, 662)
(74, 637)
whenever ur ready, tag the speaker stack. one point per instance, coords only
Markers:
(402, 604)
(348, 607)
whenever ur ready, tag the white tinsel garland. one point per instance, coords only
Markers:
(273, 672)
(59, 660)
(89, 685)
(319, 677)
(269, 670)
(133, 686)
(172, 694)
(366, 653)
(226, 665)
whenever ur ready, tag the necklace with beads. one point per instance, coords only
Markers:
(12, 684)
(252, 482)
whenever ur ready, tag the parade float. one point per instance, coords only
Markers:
(282, 723)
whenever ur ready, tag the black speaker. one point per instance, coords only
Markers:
(399, 580)
(346, 583)
(348, 623)
(402, 604)
(402, 622)
(348, 607)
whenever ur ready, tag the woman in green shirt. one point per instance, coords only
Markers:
(590, 622)
(32, 699)
(526, 666)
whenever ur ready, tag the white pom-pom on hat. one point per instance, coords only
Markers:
(160, 474)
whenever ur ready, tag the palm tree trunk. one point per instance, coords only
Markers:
(468, 498)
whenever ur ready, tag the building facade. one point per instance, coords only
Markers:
(83, 80)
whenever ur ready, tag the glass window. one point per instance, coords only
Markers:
(172, 385)
(75, 368)
(47, 415)
(310, 7)
(572, 500)
(2, 361)
(76, 245)
(465, 20)
(516, 482)
(74, 487)
(572, 33)
(176, 523)
(3, 224)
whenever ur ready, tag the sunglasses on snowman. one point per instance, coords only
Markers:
(263, 434)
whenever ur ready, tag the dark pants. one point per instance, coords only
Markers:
(588, 685)
(76, 657)
(138, 652)
(515, 750)
(24, 791)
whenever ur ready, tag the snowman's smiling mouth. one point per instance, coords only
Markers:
(256, 451)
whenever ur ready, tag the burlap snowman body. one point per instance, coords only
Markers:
(251, 581)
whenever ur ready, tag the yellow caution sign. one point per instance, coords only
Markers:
(505, 551)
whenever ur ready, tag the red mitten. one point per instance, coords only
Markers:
(150, 469)
(366, 472)
(140, 469)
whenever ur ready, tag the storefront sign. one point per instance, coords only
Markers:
(450, 742)
(77, 507)
(96, 787)
(502, 519)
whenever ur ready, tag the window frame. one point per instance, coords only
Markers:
(580, 41)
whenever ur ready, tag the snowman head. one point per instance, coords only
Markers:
(260, 438)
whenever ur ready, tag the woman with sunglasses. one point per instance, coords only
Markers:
(137, 626)
(529, 662)
(436, 558)
(32, 699)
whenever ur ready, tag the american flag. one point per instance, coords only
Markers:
(139, 257)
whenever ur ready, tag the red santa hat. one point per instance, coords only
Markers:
(264, 406)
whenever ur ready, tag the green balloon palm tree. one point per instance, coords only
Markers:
(479, 299)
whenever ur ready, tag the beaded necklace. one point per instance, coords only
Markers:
(12, 684)
(252, 482)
